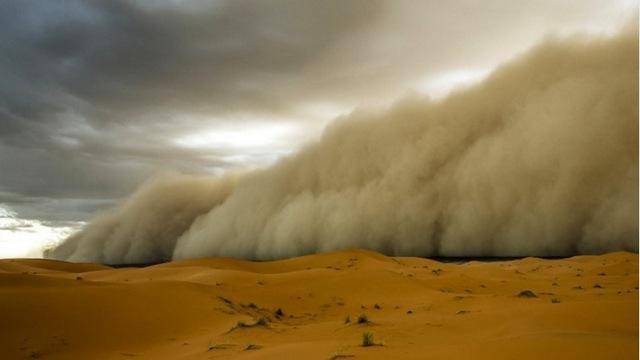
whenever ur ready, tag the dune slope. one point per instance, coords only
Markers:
(576, 308)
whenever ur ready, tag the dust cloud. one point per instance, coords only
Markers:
(539, 159)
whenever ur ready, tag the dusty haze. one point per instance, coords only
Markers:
(539, 159)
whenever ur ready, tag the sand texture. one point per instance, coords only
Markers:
(584, 307)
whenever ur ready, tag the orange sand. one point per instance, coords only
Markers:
(190, 309)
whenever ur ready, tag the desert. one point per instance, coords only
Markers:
(279, 179)
(319, 307)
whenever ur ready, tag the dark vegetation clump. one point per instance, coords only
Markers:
(218, 346)
(527, 294)
(241, 324)
(263, 321)
(225, 300)
(363, 319)
(367, 339)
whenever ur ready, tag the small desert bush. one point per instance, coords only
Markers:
(252, 347)
(367, 339)
(527, 294)
(263, 321)
(241, 324)
(363, 319)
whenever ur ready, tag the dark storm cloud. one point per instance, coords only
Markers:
(89, 88)
(57, 211)
(107, 55)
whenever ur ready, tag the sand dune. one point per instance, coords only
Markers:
(584, 307)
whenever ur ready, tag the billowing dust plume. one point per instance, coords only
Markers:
(539, 159)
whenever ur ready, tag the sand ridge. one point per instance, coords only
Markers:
(582, 307)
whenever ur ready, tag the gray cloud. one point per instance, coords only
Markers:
(90, 88)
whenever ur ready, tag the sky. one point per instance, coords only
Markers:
(99, 96)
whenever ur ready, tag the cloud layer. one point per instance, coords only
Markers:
(538, 159)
